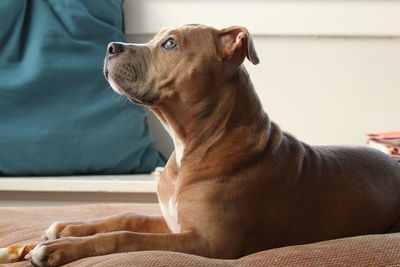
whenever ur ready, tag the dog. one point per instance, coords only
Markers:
(236, 183)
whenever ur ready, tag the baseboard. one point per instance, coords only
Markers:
(50, 191)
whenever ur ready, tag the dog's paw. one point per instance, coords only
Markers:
(54, 253)
(62, 229)
(37, 257)
(53, 231)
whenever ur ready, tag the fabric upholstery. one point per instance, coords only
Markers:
(25, 225)
(58, 115)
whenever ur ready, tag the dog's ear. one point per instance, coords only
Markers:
(235, 43)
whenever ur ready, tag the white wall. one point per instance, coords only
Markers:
(329, 71)
(330, 90)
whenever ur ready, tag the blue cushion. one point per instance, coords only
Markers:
(58, 115)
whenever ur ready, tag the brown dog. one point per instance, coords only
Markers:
(236, 184)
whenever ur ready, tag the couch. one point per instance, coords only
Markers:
(25, 225)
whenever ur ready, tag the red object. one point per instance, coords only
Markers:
(388, 143)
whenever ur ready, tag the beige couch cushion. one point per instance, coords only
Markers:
(25, 226)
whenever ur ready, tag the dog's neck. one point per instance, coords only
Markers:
(217, 123)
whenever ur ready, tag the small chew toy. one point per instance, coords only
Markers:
(14, 253)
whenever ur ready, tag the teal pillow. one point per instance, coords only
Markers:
(58, 115)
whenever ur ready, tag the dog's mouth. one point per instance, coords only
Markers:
(142, 100)
(105, 69)
(135, 100)
(146, 99)
(105, 72)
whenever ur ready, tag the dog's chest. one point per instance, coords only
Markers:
(169, 210)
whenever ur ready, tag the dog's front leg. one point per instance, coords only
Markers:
(61, 251)
(123, 222)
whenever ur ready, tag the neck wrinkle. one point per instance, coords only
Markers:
(235, 112)
(234, 120)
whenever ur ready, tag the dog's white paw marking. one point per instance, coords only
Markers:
(51, 232)
(37, 255)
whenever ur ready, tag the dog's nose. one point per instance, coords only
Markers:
(115, 48)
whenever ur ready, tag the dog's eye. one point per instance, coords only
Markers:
(170, 44)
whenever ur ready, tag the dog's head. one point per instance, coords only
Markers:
(180, 62)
